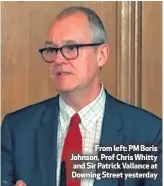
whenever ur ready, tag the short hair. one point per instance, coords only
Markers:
(98, 33)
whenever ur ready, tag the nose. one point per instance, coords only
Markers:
(59, 58)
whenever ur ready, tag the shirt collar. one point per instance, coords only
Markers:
(88, 115)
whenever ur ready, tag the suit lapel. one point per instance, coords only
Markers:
(47, 143)
(111, 133)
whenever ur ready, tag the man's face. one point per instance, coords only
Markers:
(79, 73)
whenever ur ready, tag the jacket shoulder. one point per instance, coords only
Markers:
(130, 110)
(30, 114)
(136, 121)
(35, 106)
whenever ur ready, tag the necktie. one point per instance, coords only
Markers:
(72, 145)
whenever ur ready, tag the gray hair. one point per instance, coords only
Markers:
(98, 33)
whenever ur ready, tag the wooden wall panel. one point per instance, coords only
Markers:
(135, 80)
(139, 54)
(25, 78)
(152, 57)
(128, 73)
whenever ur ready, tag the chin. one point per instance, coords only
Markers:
(65, 89)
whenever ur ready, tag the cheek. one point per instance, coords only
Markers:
(87, 69)
(51, 69)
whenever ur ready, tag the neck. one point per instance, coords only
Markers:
(80, 98)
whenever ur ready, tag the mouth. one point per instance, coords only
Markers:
(62, 73)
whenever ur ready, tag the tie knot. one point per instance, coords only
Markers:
(75, 119)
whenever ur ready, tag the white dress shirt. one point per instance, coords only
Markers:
(90, 125)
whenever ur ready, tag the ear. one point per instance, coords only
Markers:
(102, 54)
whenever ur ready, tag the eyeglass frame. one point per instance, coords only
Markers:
(61, 50)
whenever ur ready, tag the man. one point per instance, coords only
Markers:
(36, 139)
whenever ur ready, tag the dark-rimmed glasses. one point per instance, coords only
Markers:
(69, 52)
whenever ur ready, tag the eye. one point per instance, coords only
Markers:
(50, 50)
(70, 47)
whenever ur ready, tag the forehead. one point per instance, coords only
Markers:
(74, 27)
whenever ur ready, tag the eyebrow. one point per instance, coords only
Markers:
(65, 42)
(49, 43)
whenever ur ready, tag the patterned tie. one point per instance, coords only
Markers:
(72, 145)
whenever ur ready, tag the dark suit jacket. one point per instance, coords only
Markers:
(29, 140)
